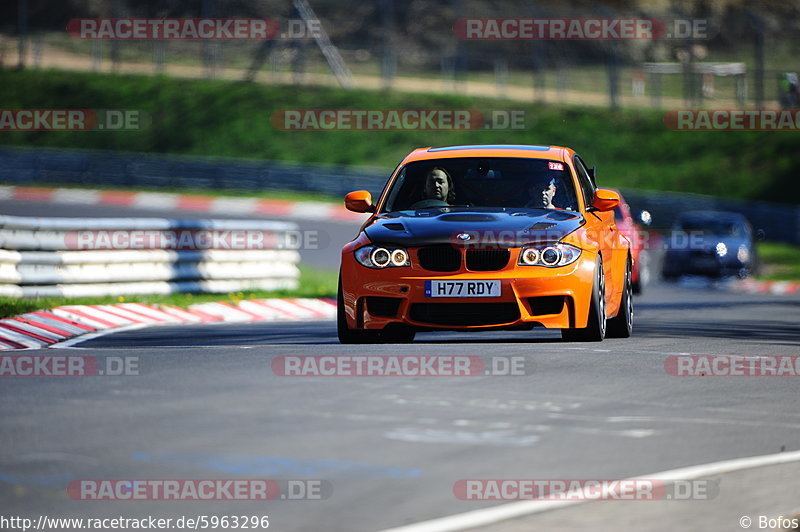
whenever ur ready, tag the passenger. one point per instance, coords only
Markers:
(542, 199)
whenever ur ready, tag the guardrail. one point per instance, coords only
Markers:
(31, 166)
(75, 257)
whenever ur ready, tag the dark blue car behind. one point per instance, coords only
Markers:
(710, 243)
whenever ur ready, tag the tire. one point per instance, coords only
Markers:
(596, 328)
(621, 326)
(346, 334)
(397, 333)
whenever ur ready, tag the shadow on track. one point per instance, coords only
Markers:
(773, 332)
(694, 305)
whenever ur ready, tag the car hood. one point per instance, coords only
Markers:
(506, 227)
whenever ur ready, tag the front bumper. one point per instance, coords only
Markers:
(555, 298)
(706, 264)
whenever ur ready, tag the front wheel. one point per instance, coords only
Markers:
(397, 333)
(596, 327)
(621, 326)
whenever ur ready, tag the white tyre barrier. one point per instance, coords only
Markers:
(46, 257)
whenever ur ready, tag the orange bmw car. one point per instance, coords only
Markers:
(475, 238)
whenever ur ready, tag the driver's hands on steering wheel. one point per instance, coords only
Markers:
(429, 203)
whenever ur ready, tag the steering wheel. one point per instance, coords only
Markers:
(429, 203)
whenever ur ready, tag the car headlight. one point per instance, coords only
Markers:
(379, 257)
(743, 254)
(722, 249)
(549, 256)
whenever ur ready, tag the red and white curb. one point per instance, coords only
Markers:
(307, 210)
(60, 325)
(752, 286)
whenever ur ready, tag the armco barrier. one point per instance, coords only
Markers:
(44, 257)
(43, 166)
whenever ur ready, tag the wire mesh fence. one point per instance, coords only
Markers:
(728, 58)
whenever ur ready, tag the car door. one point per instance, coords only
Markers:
(603, 227)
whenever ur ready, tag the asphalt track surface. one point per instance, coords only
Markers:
(207, 404)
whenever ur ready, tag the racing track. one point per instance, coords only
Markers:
(207, 405)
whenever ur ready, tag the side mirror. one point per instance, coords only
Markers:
(604, 200)
(359, 201)
(645, 217)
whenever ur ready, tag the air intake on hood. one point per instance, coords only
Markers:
(394, 226)
(541, 226)
(561, 215)
(467, 218)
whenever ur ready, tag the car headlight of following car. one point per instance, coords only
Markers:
(379, 257)
(743, 254)
(549, 256)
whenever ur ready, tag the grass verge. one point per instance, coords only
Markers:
(313, 283)
(779, 262)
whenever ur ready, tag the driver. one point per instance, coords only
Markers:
(439, 186)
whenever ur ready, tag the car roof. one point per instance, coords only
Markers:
(558, 153)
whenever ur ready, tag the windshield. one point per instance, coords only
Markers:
(495, 182)
(711, 227)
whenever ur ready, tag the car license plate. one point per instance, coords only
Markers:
(462, 288)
